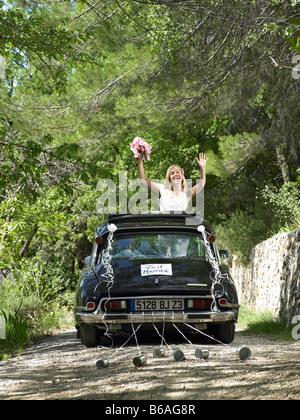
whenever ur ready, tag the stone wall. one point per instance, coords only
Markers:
(271, 281)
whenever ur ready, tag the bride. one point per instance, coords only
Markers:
(174, 196)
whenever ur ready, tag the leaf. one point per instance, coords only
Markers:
(68, 150)
(291, 42)
(34, 148)
(47, 139)
(295, 21)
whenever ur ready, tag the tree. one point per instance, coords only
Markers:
(188, 76)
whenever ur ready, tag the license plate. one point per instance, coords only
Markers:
(157, 305)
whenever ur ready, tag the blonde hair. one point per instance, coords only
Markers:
(168, 176)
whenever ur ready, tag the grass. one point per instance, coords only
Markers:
(23, 328)
(32, 305)
(263, 323)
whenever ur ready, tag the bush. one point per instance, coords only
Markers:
(16, 328)
(241, 232)
(285, 205)
(32, 304)
(275, 210)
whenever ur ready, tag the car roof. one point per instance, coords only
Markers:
(164, 221)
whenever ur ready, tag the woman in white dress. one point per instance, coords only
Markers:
(174, 196)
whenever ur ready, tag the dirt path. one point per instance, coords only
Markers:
(59, 367)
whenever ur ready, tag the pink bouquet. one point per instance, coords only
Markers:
(141, 148)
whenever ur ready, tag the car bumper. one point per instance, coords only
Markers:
(152, 317)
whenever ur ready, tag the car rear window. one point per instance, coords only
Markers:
(153, 246)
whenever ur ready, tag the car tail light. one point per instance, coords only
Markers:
(90, 306)
(223, 302)
(198, 303)
(115, 305)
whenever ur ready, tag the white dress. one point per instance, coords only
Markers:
(170, 202)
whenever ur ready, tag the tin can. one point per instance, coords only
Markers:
(159, 352)
(202, 353)
(243, 352)
(102, 363)
(178, 355)
(139, 360)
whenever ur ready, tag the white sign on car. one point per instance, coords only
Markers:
(156, 269)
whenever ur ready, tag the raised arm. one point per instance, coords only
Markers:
(200, 185)
(152, 186)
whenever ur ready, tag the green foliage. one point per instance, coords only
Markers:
(81, 81)
(31, 302)
(292, 32)
(263, 323)
(242, 231)
(47, 46)
(285, 202)
(277, 210)
(21, 217)
(16, 329)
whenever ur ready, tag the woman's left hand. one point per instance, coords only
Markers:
(202, 161)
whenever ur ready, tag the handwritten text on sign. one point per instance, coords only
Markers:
(156, 269)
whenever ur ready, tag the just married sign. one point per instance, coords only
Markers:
(156, 269)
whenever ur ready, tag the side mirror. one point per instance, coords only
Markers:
(87, 261)
(223, 253)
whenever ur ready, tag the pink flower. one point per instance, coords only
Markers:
(140, 148)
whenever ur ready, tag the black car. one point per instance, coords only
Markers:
(148, 269)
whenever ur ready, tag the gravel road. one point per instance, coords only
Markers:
(59, 367)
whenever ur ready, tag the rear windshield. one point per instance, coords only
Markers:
(152, 246)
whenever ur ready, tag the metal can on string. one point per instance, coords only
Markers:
(160, 352)
(139, 361)
(202, 354)
(243, 352)
(178, 355)
(102, 363)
